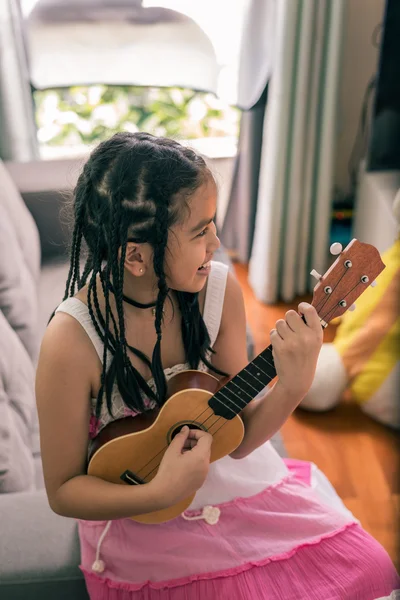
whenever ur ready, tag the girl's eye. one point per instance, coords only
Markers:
(203, 233)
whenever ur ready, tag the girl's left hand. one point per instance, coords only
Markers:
(296, 346)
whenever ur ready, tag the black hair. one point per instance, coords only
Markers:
(134, 187)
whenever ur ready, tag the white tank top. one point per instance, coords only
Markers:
(227, 478)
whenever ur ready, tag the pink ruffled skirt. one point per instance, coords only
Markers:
(282, 544)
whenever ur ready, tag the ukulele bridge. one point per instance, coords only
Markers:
(130, 478)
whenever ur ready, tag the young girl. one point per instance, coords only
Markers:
(149, 303)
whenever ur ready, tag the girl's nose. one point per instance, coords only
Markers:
(215, 244)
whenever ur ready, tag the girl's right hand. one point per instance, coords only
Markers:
(184, 466)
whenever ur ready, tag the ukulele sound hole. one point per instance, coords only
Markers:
(178, 426)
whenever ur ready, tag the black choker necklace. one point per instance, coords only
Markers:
(138, 304)
(151, 305)
(133, 302)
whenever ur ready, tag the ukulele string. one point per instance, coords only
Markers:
(324, 301)
(328, 315)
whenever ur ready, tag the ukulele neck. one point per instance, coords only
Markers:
(231, 399)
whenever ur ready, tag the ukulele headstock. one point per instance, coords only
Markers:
(356, 268)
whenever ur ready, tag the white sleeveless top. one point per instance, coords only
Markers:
(227, 478)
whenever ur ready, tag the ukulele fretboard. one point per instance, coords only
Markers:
(230, 400)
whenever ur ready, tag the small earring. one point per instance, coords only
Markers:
(140, 270)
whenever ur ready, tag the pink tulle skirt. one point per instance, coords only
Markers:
(350, 565)
(282, 544)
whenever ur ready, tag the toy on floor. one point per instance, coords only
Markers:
(365, 354)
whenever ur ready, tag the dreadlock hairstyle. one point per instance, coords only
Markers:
(132, 189)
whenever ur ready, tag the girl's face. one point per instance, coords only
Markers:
(192, 243)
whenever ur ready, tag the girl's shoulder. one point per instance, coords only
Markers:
(65, 332)
(66, 344)
(66, 352)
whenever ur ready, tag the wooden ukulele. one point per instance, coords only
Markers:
(129, 451)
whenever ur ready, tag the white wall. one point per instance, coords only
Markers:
(360, 58)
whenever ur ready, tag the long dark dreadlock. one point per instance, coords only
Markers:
(131, 190)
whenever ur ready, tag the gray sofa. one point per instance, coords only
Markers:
(39, 550)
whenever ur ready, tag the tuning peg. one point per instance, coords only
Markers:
(352, 307)
(315, 274)
(374, 284)
(336, 248)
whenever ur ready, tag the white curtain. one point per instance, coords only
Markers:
(257, 51)
(296, 171)
(18, 134)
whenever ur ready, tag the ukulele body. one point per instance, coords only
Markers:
(129, 450)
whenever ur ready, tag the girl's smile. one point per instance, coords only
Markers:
(205, 269)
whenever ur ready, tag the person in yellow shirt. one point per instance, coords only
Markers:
(365, 354)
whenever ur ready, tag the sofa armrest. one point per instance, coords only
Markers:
(39, 551)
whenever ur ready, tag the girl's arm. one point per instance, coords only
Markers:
(295, 359)
(67, 367)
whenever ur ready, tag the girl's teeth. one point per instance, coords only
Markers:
(206, 265)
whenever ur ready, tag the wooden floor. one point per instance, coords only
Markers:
(359, 456)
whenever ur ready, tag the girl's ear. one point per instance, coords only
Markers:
(136, 259)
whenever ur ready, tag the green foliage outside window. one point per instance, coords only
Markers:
(84, 115)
